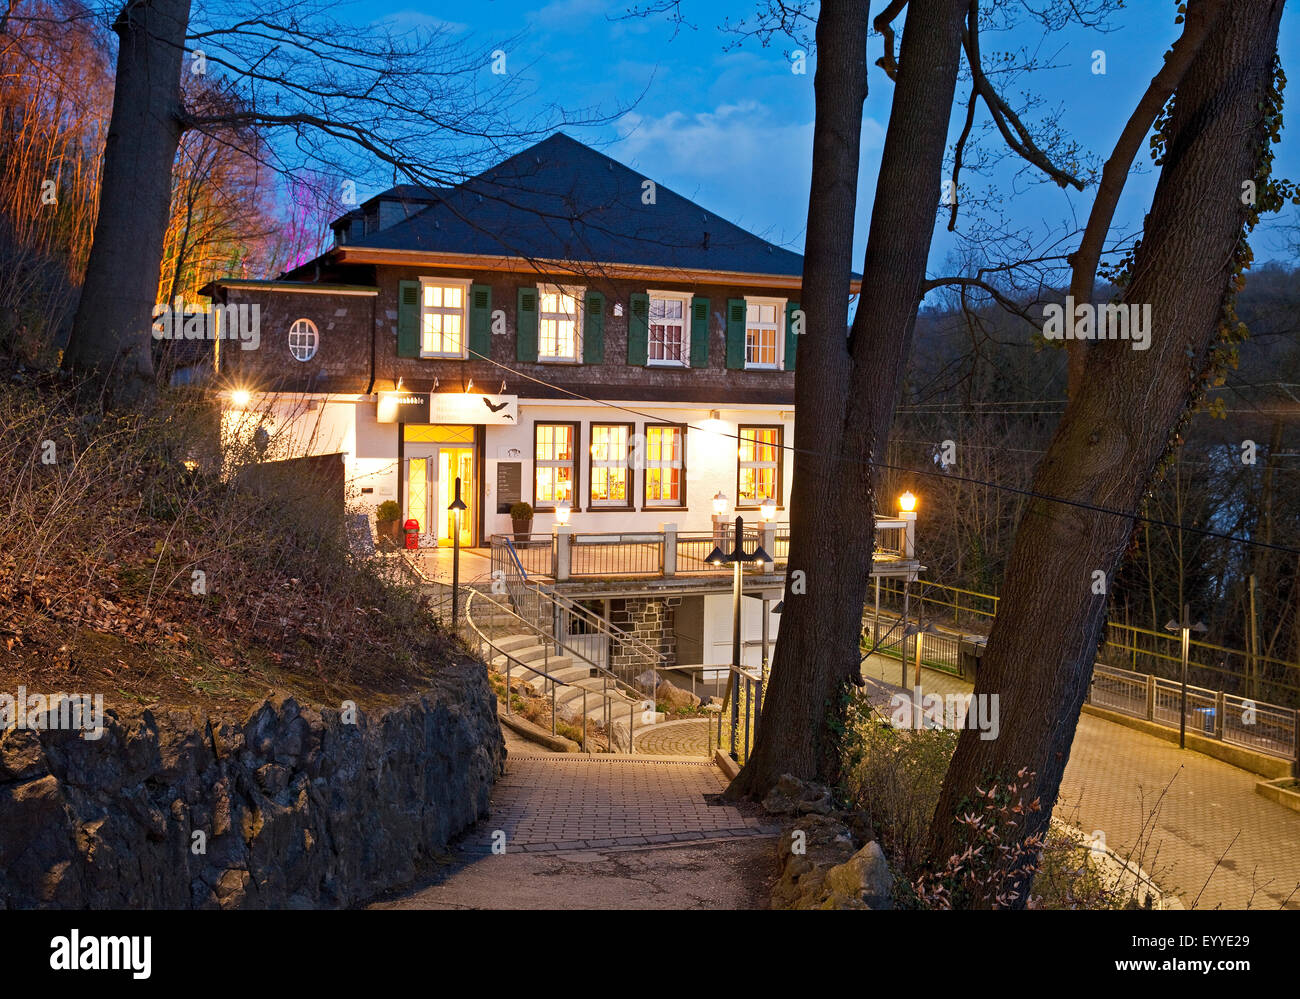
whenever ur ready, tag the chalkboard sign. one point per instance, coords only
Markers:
(509, 484)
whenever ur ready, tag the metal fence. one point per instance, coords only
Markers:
(1126, 646)
(1265, 728)
(616, 554)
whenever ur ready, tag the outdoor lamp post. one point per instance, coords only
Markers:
(1184, 628)
(736, 558)
(457, 506)
(768, 510)
(562, 511)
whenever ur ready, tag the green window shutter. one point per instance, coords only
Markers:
(699, 332)
(638, 329)
(736, 333)
(480, 320)
(791, 338)
(593, 329)
(526, 325)
(408, 319)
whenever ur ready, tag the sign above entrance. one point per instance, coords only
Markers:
(473, 407)
(403, 407)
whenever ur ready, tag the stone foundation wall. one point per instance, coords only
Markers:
(650, 619)
(293, 808)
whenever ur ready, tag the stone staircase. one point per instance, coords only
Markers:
(532, 661)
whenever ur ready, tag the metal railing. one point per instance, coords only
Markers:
(635, 663)
(1265, 728)
(1126, 646)
(616, 554)
(576, 554)
(490, 651)
(736, 724)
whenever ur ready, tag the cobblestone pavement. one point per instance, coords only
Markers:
(1211, 826)
(689, 737)
(566, 802)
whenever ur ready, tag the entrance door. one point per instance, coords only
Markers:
(431, 472)
(453, 463)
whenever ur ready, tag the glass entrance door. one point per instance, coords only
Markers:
(454, 462)
(431, 472)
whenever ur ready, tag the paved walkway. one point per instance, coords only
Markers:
(1113, 784)
(576, 802)
(1115, 780)
(605, 833)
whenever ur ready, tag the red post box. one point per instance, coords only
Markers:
(412, 529)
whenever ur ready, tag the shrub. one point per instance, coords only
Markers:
(387, 510)
(893, 776)
(521, 511)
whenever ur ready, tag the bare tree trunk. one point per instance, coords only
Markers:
(110, 334)
(845, 388)
(1117, 431)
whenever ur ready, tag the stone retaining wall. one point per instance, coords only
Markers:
(293, 808)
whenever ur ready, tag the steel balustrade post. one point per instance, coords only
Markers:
(749, 704)
(552, 707)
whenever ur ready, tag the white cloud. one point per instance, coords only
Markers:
(737, 160)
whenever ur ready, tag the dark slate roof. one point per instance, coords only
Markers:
(563, 200)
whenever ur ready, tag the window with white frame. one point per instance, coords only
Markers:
(303, 339)
(559, 329)
(610, 478)
(670, 338)
(665, 466)
(758, 475)
(763, 321)
(442, 318)
(553, 465)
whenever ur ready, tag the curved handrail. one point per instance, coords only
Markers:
(618, 682)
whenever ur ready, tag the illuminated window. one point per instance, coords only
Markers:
(609, 466)
(558, 319)
(442, 319)
(759, 472)
(553, 464)
(763, 321)
(303, 339)
(669, 339)
(665, 466)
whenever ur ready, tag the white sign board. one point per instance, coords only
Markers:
(473, 407)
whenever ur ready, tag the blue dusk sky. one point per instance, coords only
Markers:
(731, 127)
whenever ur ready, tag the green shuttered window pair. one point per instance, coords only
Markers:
(737, 315)
(638, 331)
(409, 322)
(593, 326)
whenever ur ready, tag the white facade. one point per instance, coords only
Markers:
(377, 456)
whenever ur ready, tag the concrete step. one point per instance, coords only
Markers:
(509, 643)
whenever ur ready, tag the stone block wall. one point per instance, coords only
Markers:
(292, 808)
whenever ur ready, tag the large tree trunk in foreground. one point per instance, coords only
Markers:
(845, 388)
(1114, 434)
(111, 332)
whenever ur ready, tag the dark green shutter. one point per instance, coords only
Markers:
(638, 330)
(699, 332)
(791, 338)
(408, 318)
(736, 333)
(593, 329)
(480, 320)
(526, 325)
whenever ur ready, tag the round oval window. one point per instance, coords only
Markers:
(303, 339)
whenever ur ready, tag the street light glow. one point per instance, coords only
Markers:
(907, 502)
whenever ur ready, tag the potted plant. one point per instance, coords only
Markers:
(521, 516)
(387, 516)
